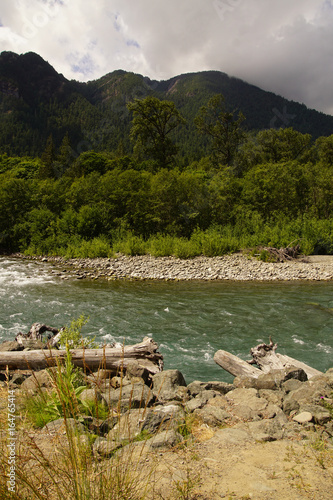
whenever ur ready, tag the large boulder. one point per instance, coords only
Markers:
(131, 396)
(37, 382)
(165, 417)
(169, 385)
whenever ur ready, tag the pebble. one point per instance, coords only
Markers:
(235, 267)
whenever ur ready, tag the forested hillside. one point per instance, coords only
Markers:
(200, 164)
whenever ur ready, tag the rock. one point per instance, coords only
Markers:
(163, 418)
(212, 415)
(38, 380)
(136, 370)
(303, 417)
(274, 397)
(10, 346)
(165, 439)
(320, 414)
(266, 430)
(200, 400)
(291, 385)
(91, 395)
(32, 345)
(130, 396)
(105, 447)
(166, 384)
(309, 392)
(128, 426)
(233, 435)
(196, 387)
(246, 404)
(60, 426)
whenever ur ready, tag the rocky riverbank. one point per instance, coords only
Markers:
(237, 267)
(269, 438)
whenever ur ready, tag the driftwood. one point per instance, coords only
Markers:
(282, 254)
(36, 333)
(145, 353)
(264, 356)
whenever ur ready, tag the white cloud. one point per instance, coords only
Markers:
(282, 46)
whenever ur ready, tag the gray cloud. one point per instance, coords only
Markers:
(282, 46)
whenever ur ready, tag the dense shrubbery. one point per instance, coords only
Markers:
(278, 191)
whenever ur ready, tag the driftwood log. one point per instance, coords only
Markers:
(265, 357)
(110, 358)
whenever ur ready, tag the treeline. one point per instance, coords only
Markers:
(274, 187)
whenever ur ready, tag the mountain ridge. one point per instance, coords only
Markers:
(36, 101)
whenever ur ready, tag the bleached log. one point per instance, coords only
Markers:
(145, 353)
(265, 357)
(236, 366)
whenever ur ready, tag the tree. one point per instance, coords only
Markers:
(153, 122)
(222, 127)
(46, 171)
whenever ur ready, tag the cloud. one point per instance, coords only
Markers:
(284, 46)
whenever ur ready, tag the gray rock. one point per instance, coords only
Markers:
(166, 383)
(212, 415)
(303, 417)
(246, 404)
(91, 395)
(291, 385)
(10, 346)
(137, 371)
(164, 439)
(128, 426)
(196, 387)
(200, 400)
(274, 397)
(320, 414)
(163, 418)
(309, 392)
(130, 396)
(37, 381)
(60, 426)
(266, 430)
(32, 345)
(232, 435)
(105, 447)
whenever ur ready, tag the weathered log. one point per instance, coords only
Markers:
(265, 357)
(144, 352)
(236, 366)
(35, 333)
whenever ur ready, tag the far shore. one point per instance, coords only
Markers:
(234, 267)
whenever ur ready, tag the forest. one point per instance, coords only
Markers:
(245, 190)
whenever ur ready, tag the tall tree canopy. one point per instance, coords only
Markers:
(222, 127)
(153, 122)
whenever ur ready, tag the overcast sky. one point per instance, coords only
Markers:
(285, 46)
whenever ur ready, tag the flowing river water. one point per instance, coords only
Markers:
(189, 320)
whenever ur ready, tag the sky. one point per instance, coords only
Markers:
(284, 46)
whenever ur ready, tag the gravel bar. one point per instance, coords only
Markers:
(235, 267)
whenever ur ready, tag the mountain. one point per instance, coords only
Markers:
(36, 101)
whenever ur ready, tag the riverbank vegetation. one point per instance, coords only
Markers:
(273, 187)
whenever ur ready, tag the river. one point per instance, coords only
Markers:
(189, 320)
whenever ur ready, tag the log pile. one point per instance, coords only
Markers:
(282, 254)
(266, 359)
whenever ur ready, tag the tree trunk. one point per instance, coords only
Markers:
(145, 353)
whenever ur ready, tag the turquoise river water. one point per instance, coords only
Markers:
(189, 320)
